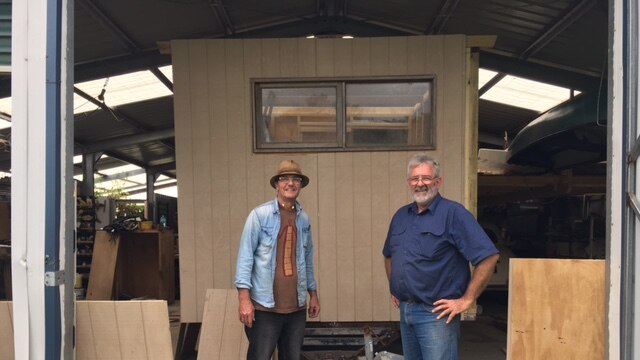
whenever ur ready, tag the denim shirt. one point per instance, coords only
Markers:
(255, 269)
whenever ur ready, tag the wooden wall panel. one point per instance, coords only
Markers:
(184, 166)
(349, 211)
(556, 309)
(6, 331)
(454, 174)
(202, 163)
(346, 259)
(222, 335)
(326, 238)
(380, 217)
(219, 166)
(239, 148)
(364, 258)
(122, 330)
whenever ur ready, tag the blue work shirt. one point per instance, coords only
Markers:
(256, 265)
(430, 252)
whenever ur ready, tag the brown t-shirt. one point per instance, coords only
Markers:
(285, 285)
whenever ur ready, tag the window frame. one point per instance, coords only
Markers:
(340, 84)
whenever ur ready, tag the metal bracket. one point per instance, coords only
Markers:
(54, 278)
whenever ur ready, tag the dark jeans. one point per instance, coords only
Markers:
(271, 329)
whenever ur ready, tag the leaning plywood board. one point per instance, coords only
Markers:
(103, 267)
(222, 335)
(6, 331)
(556, 309)
(123, 330)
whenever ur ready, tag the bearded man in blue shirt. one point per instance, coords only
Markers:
(427, 253)
(275, 270)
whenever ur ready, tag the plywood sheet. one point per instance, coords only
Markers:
(103, 266)
(122, 330)
(556, 309)
(222, 334)
(6, 331)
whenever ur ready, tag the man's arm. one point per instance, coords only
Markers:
(246, 309)
(387, 267)
(481, 276)
(314, 304)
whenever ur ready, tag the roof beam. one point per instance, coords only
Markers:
(220, 12)
(572, 15)
(531, 70)
(576, 11)
(121, 141)
(163, 79)
(137, 163)
(99, 14)
(440, 19)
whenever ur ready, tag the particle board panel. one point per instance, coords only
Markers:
(360, 50)
(219, 164)
(416, 55)
(103, 266)
(453, 150)
(122, 330)
(327, 270)
(380, 218)
(556, 309)
(6, 331)
(364, 257)
(306, 58)
(201, 147)
(380, 56)
(184, 166)
(398, 61)
(288, 57)
(343, 58)
(345, 257)
(324, 57)
(222, 334)
(398, 197)
(271, 58)
(157, 329)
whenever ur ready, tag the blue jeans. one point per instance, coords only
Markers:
(426, 338)
(271, 329)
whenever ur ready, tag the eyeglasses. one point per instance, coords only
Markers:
(425, 179)
(295, 179)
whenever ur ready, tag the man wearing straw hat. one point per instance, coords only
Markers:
(275, 270)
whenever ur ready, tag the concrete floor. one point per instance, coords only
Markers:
(486, 337)
(482, 339)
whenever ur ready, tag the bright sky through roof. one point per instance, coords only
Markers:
(121, 89)
(523, 93)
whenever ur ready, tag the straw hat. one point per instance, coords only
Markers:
(289, 167)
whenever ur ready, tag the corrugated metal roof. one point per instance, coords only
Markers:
(5, 35)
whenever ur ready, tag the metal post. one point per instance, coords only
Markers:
(41, 163)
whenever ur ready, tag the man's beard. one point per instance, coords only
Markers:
(423, 195)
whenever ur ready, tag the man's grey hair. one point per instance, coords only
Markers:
(420, 159)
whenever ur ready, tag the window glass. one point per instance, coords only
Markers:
(344, 115)
(388, 114)
(297, 115)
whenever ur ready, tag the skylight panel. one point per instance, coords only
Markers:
(121, 89)
(523, 93)
(167, 71)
